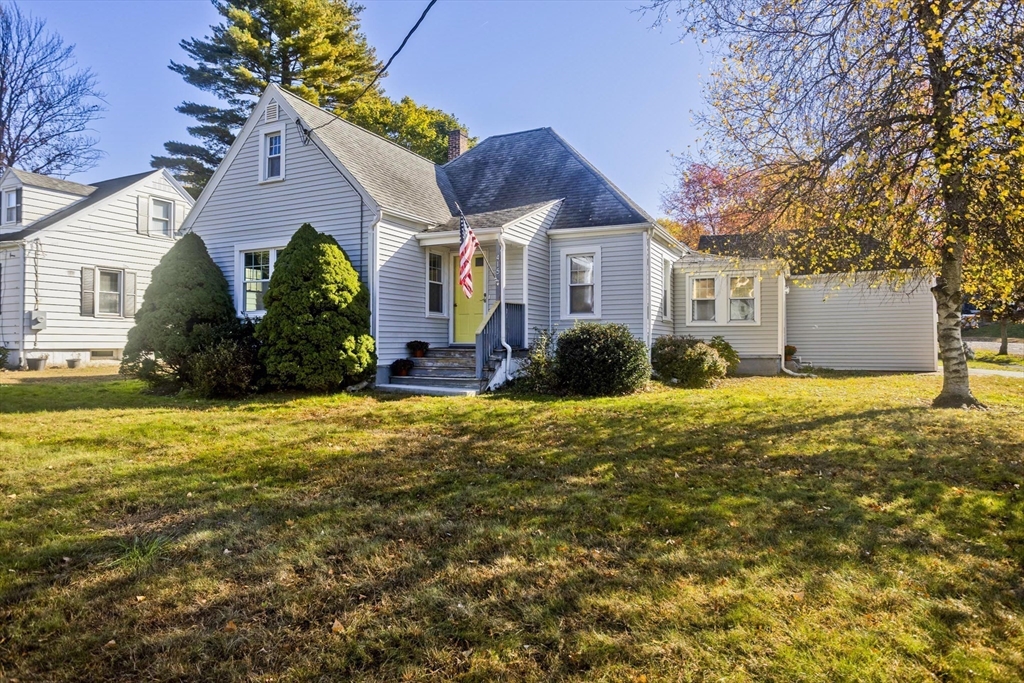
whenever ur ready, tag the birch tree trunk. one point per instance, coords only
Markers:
(949, 298)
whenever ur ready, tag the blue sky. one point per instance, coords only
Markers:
(620, 92)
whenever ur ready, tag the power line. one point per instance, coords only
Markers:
(385, 67)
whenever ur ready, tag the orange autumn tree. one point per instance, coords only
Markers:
(887, 122)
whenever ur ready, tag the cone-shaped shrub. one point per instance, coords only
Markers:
(316, 332)
(185, 307)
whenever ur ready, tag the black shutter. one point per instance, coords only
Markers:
(18, 196)
(89, 291)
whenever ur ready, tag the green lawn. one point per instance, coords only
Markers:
(993, 361)
(773, 529)
(991, 331)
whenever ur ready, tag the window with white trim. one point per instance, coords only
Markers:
(741, 298)
(256, 270)
(161, 217)
(435, 283)
(11, 206)
(666, 290)
(702, 300)
(272, 155)
(108, 294)
(581, 284)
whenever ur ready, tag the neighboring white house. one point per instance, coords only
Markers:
(75, 260)
(560, 243)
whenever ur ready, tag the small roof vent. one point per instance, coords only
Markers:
(271, 114)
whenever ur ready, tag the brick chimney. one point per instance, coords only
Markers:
(458, 143)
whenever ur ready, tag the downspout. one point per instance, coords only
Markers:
(24, 286)
(501, 301)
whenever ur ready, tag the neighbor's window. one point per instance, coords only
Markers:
(703, 299)
(435, 283)
(666, 290)
(581, 283)
(273, 152)
(256, 279)
(160, 217)
(741, 298)
(11, 207)
(109, 295)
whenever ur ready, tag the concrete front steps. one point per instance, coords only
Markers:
(443, 372)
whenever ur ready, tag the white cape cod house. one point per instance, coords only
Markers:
(75, 260)
(560, 243)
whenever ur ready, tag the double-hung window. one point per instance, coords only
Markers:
(255, 279)
(109, 292)
(435, 283)
(11, 206)
(161, 214)
(703, 300)
(581, 284)
(741, 298)
(273, 155)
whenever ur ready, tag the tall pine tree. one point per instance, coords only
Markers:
(313, 48)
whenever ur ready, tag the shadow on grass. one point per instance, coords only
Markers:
(524, 539)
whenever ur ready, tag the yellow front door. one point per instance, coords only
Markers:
(469, 312)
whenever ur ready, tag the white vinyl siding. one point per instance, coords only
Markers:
(401, 300)
(240, 213)
(11, 313)
(620, 278)
(536, 259)
(103, 236)
(661, 265)
(36, 203)
(858, 326)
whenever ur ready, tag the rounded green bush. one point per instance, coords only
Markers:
(316, 331)
(186, 307)
(228, 367)
(687, 361)
(727, 352)
(592, 359)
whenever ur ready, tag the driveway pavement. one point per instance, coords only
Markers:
(1015, 348)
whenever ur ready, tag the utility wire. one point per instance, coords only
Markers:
(385, 67)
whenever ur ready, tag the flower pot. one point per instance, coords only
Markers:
(419, 353)
(400, 373)
(36, 364)
(74, 363)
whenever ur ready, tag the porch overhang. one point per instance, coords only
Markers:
(450, 238)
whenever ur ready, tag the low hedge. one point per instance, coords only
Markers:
(592, 359)
(687, 361)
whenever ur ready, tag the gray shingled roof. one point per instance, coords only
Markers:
(46, 182)
(490, 219)
(537, 166)
(100, 191)
(504, 173)
(396, 178)
(853, 252)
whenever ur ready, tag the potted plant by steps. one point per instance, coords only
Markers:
(417, 348)
(74, 362)
(790, 352)
(37, 363)
(401, 367)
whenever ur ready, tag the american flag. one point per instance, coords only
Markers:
(468, 245)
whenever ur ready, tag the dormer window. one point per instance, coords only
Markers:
(273, 155)
(12, 206)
